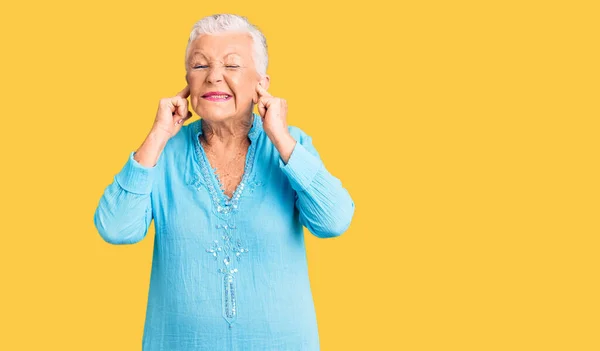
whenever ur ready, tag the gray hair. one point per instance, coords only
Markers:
(222, 23)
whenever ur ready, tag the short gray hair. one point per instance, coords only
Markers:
(222, 23)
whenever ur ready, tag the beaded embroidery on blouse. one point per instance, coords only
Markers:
(224, 204)
(229, 250)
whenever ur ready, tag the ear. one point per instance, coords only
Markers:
(265, 81)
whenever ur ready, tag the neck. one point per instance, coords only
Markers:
(226, 134)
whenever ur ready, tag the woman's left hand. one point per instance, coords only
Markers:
(273, 111)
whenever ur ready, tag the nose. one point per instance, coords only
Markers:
(215, 75)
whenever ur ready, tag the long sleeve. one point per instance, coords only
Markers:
(325, 206)
(124, 212)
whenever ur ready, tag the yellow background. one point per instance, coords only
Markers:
(465, 131)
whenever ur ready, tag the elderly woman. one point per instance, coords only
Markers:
(229, 195)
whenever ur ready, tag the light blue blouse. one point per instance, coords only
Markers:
(227, 273)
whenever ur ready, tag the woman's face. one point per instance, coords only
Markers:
(222, 76)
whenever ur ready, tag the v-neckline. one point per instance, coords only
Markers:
(218, 180)
(224, 203)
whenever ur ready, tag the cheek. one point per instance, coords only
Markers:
(243, 86)
(195, 82)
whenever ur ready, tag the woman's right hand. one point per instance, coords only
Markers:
(172, 113)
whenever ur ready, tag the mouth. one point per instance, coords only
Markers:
(216, 96)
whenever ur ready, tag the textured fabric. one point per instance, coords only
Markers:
(227, 273)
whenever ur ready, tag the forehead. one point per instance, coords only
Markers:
(217, 46)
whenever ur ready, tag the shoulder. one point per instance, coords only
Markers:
(183, 137)
(174, 152)
(298, 134)
(303, 139)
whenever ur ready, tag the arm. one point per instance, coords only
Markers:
(325, 207)
(125, 209)
(124, 212)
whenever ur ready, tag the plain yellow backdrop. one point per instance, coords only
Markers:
(465, 131)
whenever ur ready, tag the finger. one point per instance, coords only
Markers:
(262, 108)
(264, 103)
(180, 106)
(184, 93)
(189, 115)
(262, 91)
(183, 111)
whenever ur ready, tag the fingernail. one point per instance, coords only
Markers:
(179, 122)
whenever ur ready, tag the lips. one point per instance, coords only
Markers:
(217, 94)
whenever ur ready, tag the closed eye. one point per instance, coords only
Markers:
(200, 66)
(232, 66)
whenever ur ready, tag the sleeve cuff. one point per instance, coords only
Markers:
(302, 167)
(136, 178)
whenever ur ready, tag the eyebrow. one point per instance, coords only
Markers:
(225, 56)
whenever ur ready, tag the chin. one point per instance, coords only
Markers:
(219, 113)
(215, 114)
